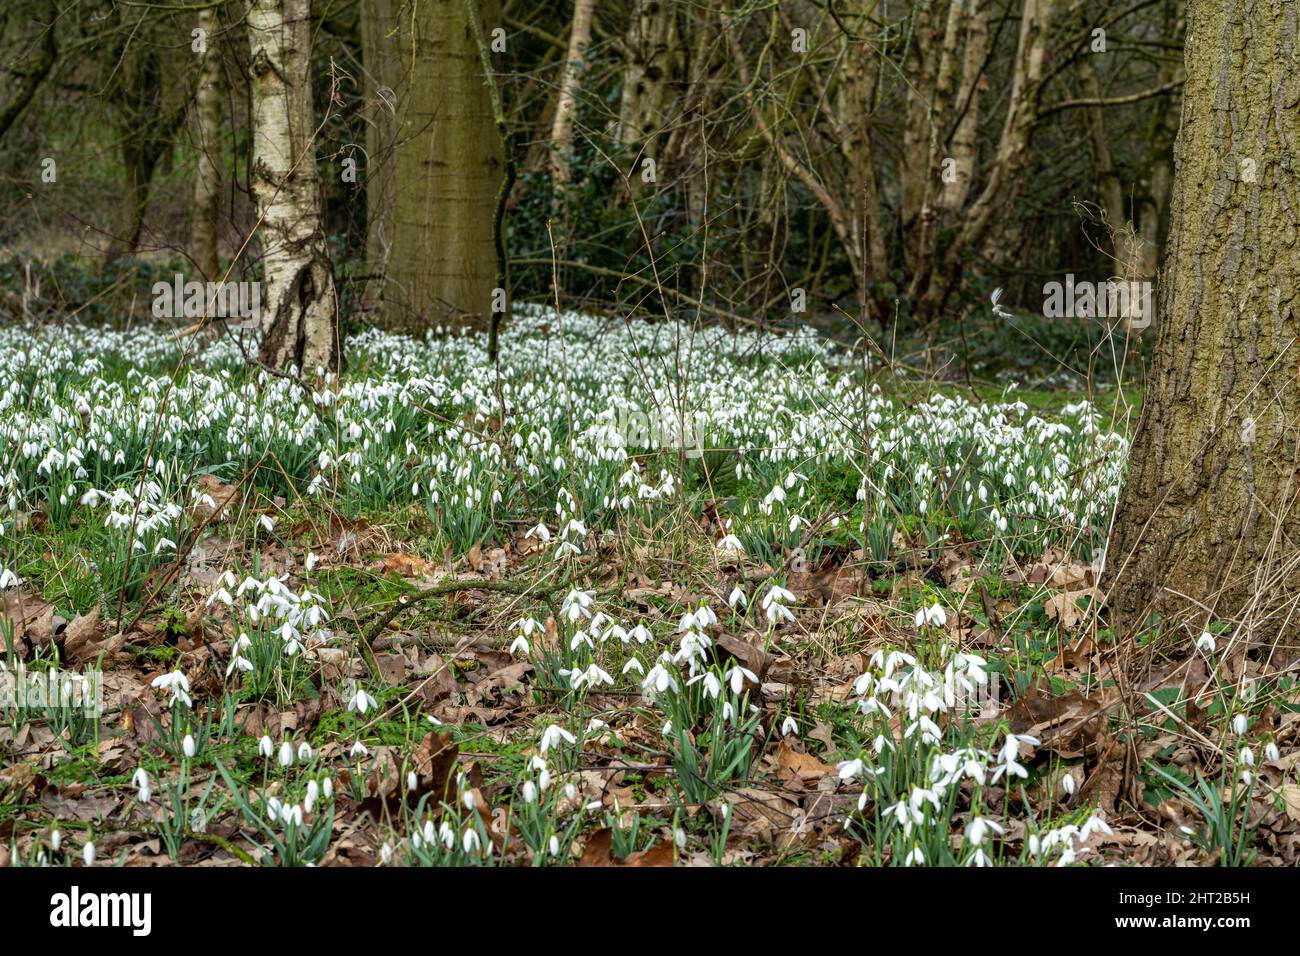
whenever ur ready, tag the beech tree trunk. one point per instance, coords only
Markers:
(450, 165)
(300, 323)
(1206, 526)
(207, 174)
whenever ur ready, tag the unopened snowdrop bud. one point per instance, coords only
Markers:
(386, 854)
(555, 845)
(88, 853)
(313, 791)
(286, 754)
(327, 787)
(529, 791)
(1240, 724)
(1271, 752)
(266, 747)
(679, 837)
(412, 781)
(1068, 784)
(56, 840)
(1247, 756)
(467, 798)
(187, 746)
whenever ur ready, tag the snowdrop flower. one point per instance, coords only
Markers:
(286, 754)
(361, 702)
(1205, 642)
(386, 853)
(177, 684)
(1068, 784)
(1246, 756)
(731, 543)
(934, 614)
(519, 646)
(56, 840)
(553, 735)
(412, 780)
(849, 769)
(789, 726)
(1271, 753)
(737, 598)
(359, 750)
(88, 853)
(310, 564)
(979, 828)
(141, 782)
(1240, 724)
(265, 747)
(266, 522)
(304, 751)
(737, 676)
(187, 746)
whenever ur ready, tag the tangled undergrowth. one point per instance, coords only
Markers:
(649, 594)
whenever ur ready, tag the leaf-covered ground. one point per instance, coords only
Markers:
(647, 595)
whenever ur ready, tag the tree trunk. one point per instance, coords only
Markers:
(30, 78)
(575, 65)
(383, 84)
(300, 325)
(650, 41)
(207, 173)
(450, 165)
(1206, 522)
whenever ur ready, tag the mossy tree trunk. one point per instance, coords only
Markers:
(450, 163)
(1206, 526)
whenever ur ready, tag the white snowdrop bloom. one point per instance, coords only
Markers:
(731, 543)
(979, 827)
(176, 682)
(737, 677)
(267, 522)
(188, 747)
(304, 751)
(737, 597)
(519, 646)
(553, 735)
(789, 726)
(361, 701)
(286, 754)
(1271, 752)
(1206, 642)
(1240, 724)
(88, 853)
(358, 750)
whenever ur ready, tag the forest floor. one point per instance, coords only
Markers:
(432, 614)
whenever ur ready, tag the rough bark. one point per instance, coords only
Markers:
(207, 172)
(1206, 522)
(300, 325)
(450, 165)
